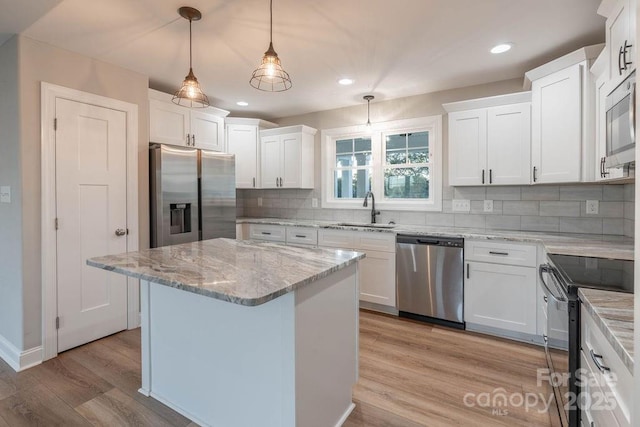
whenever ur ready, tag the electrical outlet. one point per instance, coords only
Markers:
(259, 201)
(314, 203)
(5, 194)
(461, 205)
(592, 207)
(488, 205)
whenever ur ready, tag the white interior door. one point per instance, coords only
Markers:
(91, 205)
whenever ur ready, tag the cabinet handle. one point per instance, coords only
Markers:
(499, 253)
(254, 182)
(193, 140)
(280, 182)
(620, 66)
(603, 170)
(535, 174)
(545, 298)
(301, 236)
(277, 183)
(483, 176)
(266, 233)
(626, 63)
(596, 359)
(188, 139)
(467, 270)
(490, 176)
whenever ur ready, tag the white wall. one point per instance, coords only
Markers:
(10, 214)
(38, 62)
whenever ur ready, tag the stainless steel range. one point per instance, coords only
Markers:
(561, 277)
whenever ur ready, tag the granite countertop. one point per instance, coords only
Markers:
(613, 313)
(589, 245)
(241, 272)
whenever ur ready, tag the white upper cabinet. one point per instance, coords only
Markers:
(490, 145)
(287, 157)
(620, 37)
(563, 118)
(176, 125)
(243, 140)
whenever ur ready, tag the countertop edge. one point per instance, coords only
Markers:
(615, 342)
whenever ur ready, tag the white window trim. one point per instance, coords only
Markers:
(433, 124)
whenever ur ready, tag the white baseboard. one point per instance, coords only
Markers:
(344, 417)
(19, 360)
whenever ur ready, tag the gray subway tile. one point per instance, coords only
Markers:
(540, 192)
(469, 221)
(629, 192)
(581, 225)
(520, 207)
(557, 208)
(629, 228)
(581, 192)
(440, 219)
(613, 193)
(629, 210)
(471, 193)
(503, 193)
(503, 222)
(613, 226)
(540, 223)
(323, 214)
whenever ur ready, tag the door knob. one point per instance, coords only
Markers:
(120, 232)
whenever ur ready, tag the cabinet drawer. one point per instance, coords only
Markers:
(336, 239)
(597, 413)
(375, 241)
(271, 233)
(500, 253)
(618, 381)
(302, 235)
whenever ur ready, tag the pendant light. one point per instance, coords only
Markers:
(368, 98)
(190, 94)
(270, 76)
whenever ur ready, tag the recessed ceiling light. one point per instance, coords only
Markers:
(501, 48)
(345, 81)
(242, 103)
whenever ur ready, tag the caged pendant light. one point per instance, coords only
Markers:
(190, 94)
(368, 98)
(270, 76)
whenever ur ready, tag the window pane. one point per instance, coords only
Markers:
(396, 141)
(363, 159)
(353, 183)
(406, 183)
(344, 160)
(396, 157)
(344, 146)
(418, 139)
(419, 155)
(362, 144)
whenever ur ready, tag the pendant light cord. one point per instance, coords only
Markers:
(190, 46)
(270, 21)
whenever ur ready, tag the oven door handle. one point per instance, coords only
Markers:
(546, 268)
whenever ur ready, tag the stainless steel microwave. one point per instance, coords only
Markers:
(621, 123)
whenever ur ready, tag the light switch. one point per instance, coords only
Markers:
(461, 205)
(488, 205)
(592, 207)
(5, 194)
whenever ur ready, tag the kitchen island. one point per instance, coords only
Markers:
(247, 334)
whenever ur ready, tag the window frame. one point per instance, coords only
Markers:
(431, 124)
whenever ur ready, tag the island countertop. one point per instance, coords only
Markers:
(241, 272)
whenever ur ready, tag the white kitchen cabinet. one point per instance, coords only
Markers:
(490, 145)
(287, 157)
(620, 35)
(176, 125)
(305, 236)
(268, 232)
(243, 140)
(500, 289)
(562, 118)
(377, 270)
(611, 380)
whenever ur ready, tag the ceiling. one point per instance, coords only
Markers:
(391, 49)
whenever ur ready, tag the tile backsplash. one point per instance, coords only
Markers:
(552, 208)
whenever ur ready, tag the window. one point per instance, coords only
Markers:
(400, 162)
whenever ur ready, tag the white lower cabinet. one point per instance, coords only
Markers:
(500, 289)
(377, 270)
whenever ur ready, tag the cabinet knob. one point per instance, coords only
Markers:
(120, 232)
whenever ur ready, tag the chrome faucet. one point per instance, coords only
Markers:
(374, 212)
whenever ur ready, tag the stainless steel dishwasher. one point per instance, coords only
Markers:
(430, 276)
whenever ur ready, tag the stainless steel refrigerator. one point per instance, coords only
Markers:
(193, 195)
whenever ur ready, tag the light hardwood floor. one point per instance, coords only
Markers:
(411, 374)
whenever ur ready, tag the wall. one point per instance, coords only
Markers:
(40, 62)
(10, 214)
(629, 209)
(533, 208)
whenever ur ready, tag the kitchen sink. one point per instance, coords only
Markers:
(364, 225)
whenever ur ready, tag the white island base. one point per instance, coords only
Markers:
(289, 362)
